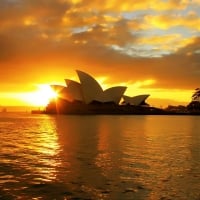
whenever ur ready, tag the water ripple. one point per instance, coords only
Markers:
(99, 157)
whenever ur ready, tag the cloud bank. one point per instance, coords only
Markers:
(124, 41)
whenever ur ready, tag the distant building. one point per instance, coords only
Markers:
(88, 90)
(135, 100)
(92, 90)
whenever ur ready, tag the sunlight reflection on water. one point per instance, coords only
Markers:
(99, 157)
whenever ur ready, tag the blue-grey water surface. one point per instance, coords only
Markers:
(99, 157)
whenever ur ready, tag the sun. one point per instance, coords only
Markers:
(41, 96)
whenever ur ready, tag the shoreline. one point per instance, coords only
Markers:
(111, 110)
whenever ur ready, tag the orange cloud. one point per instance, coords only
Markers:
(191, 21)
(170, 43)
(46, 40)
(128, 5)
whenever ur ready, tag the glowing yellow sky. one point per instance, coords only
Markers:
(151, 46)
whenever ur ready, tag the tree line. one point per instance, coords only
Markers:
(194, 105)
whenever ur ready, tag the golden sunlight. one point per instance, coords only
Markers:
(41, 96)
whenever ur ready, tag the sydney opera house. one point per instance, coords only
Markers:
(88, 97)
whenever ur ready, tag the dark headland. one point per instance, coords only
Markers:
(87, 97)
(60, 106)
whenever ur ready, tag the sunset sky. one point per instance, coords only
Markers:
(151, 46)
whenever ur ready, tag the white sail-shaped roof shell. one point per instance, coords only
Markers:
(62, 91)
(89, 86)
(74, 90)
(136, 100)
(113, 94)
(57, 88)
(92, 91)
(88, 90)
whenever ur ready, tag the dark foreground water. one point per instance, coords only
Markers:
(99, 157)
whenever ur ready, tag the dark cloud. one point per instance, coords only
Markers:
(59, 37)
(44, 12)
(179, 70)
(118, 34)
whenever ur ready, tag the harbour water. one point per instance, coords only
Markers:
(99, 157)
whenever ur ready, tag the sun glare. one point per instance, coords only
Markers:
(41, 96)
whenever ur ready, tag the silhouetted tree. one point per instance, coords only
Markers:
(196, 95)
(194, 105)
